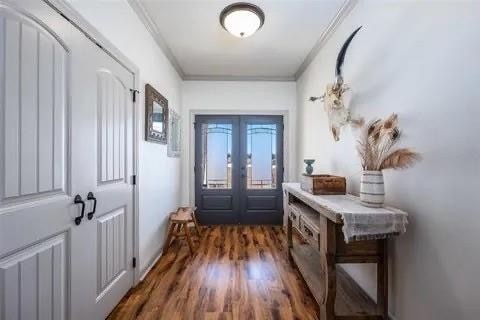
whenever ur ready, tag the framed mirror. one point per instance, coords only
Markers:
(156, 116)
(174, 134)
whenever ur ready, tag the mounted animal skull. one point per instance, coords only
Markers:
(338, 113)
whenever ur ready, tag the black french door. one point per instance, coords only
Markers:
(239, 169)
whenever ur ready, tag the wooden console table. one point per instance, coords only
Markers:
(338, 295)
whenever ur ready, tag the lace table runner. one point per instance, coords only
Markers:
(359, 222)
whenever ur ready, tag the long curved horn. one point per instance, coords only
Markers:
(341, 54)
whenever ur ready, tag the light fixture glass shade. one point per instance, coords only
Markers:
(242, 19)
(242, 23)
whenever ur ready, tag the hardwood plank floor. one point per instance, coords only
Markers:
(238, 272)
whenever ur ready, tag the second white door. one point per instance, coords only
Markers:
(101, 92)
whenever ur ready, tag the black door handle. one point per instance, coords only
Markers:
(77, 200)
(90, 196)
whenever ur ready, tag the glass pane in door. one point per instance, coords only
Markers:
(261, 156)
(216, 156)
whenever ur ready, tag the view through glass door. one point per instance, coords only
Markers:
(239, 169)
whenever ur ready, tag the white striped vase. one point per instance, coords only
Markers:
(372, 189)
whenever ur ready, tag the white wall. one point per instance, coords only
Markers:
(235, 97)
(419, 59)
(159, 176)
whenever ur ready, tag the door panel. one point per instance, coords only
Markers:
(36, 211)
(217, 202)
(37, 269)
(66, 128)
(34, 126)
(112, 110)
(261, 156)
(239, 169)
(114, 192)
(111, 248)
(216, 169)
(261, 203)
(108, 134)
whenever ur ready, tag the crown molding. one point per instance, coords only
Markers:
(154, 31)
(152, 27)
(342, 13)
(236, 78)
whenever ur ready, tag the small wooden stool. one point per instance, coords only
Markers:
(180, 220)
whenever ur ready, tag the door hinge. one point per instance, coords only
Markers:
(134, 262)
(134, 179)
(194, 125)
(134, 94)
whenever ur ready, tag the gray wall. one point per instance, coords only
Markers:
(419, 59)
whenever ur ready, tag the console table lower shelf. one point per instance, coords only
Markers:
(351, 301)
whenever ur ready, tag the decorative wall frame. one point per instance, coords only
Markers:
(156, 116)
(175, 134)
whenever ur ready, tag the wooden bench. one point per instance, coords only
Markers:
(179, 227)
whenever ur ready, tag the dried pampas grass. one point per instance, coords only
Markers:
(400, 159)
(375, 142)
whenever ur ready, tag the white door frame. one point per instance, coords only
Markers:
(95, 36)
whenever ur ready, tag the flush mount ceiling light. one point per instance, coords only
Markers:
(242, 19)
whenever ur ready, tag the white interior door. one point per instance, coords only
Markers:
(66, 129)
(102, 89)
(114, 189)
(37, 213)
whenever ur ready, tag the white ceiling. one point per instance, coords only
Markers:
(192, 37)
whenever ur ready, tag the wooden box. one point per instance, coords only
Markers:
(323, 184)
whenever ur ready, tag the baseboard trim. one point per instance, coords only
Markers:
(149, 267)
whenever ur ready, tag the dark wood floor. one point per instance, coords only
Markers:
(238, 272)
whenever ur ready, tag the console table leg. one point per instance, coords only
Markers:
(327, 310)
(328, 251)
(289, 239)
(382, 280)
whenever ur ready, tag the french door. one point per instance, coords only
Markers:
(66, 156)
(239, 169)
